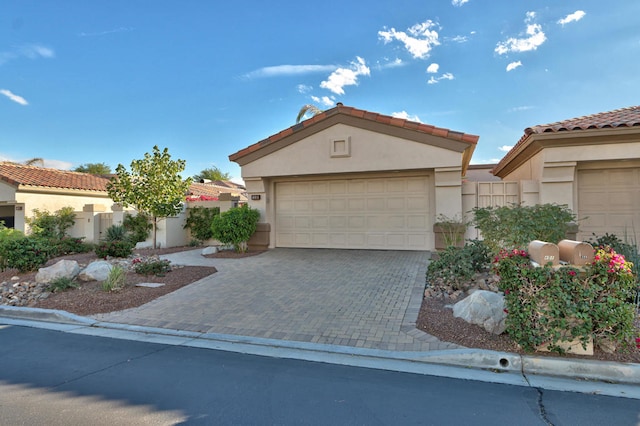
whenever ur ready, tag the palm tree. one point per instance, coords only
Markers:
(309, 108)
(34, 162)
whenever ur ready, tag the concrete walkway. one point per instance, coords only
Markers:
(358, 298)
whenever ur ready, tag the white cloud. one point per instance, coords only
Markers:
(513, 65)
(445, 76)
(329, 101)
(346, 76)
(392, 64)
(101, 33)
(280, 70)
(303, 88)
(459, 3)
(520, 108)
(433, 68)
(459, 39)
(15, 98)
(534, 38)
(419, 41)
(572, 17)
(505, 148)
(34, 51)
(405, 115)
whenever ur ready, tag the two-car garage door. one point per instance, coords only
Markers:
(373, 213)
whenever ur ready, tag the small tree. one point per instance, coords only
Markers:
(212, 173)
(94, 169)
(153, 187)
(236, 226)
(54, 226)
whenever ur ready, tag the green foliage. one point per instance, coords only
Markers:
(545, 305)
(62, 284)
(457, 265)
(212, 173)
(115, 233)
(99, 169)
(236, 226)
(26, 253)
(68, 245)
(200, 220)
(9, 233)
(156, 267)
(153, 187)
(116, 279)
(515, 226)
(114, 249)
(47, 225)
(138, 226)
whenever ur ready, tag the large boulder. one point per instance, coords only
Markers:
(483, 308)
(63, 269)
(209, 250)
(96, 271)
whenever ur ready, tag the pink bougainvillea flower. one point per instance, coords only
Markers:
(572, 273)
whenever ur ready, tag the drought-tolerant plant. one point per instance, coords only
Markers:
(116, 279)
(24, 253)
(199, 221)
(62, 284)
(547, 305)
(236, 226)
(515, 226)
(452, 229)
(456, 266)
(68, 245)
(158, 267)
(115, 233)
(114, 249)
(138, 226)
(54, 226)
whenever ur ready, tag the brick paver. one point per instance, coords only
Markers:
(360, 298)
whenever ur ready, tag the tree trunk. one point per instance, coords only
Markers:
(155, 228)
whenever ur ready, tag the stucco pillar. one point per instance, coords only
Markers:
(118, 214)
(558, 183)
(448, 192)
(91, 221)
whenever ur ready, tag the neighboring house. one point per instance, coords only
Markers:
(25, 188)
(590, 163)
(349, 178)
(207, 190)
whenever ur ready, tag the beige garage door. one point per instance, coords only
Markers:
(609, 202)
(378, 213)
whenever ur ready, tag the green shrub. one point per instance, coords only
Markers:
(200, 220)
(114, 249)
(116, 279)
(115, 233)
(138, 226)
(236, 226)
(452, 229)
(23, 253)
(514, 227)
(68, 245)
(456, 266)
(52, 226)
(545, 305)
(151, 267)
(62, 284)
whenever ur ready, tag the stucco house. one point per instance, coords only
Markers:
(590, 163)
(24, 188)
(349, 178)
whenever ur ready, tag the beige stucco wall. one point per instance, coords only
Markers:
(369, 151)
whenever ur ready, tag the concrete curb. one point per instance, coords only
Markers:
(494, 363)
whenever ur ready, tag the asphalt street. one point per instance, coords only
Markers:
(55, 378)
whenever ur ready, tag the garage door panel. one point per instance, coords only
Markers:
(381, 213)
(609, 202)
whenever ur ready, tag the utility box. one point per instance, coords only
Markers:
(542, 253)
(576, 252)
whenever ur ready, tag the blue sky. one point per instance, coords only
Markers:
(104, 81)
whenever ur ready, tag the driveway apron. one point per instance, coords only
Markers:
(360, 298)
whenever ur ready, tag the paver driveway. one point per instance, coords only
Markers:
(361, 298)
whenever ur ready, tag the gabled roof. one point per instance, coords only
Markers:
(619, 118)
(362, 118)
(20, 175)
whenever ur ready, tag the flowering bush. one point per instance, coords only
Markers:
(551, 305)
(114, 249)
(151, 266)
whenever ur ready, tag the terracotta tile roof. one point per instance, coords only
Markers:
(215, 188)
(358, 113)
(18, 174)
(623, 117)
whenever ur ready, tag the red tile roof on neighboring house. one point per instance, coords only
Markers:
(623, 117)
(215, 188)
(359, 113)
(21, 175)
